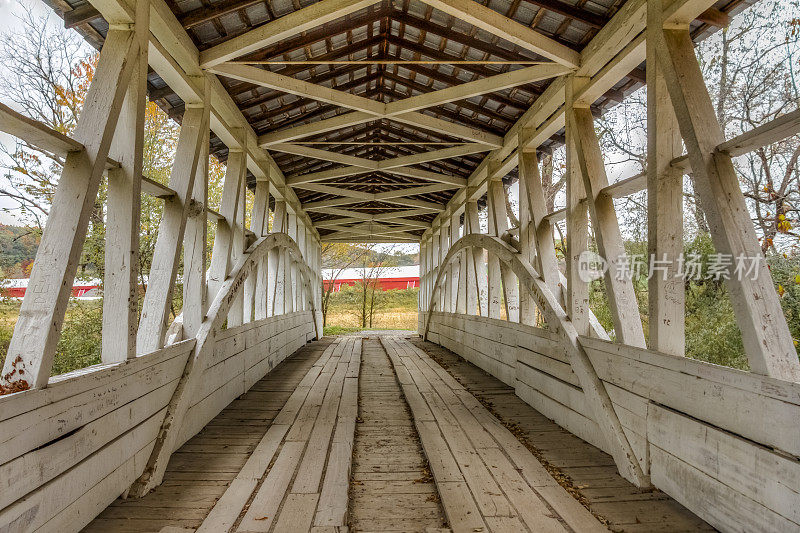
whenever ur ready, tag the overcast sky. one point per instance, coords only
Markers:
(9, 10)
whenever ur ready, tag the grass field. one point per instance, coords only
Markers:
(80, 343)
(395, 309)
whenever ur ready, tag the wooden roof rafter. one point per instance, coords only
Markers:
(478, 41)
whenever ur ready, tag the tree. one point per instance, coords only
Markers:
(753, 66)
(751, 72)
(52, 69)
(337, 257)
(371, 272)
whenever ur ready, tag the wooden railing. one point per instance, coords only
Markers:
(720, 441)
(69, 449)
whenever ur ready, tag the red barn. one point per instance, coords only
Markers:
(84, 289)
(406, 277)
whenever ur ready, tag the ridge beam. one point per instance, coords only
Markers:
(341, 172)
(325, 155)
(352, 220)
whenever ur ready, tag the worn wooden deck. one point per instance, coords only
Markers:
(369, 434)
(587, 472)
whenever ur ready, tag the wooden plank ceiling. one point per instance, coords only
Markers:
(384, 53)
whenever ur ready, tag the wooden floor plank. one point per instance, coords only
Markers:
(290, 491)
(362, 434)
(391, 489)
(498, 486)
(202, 469)
(264, 507)
(587, 471)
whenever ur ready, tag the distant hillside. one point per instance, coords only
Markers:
(397, 258)
(18, 247)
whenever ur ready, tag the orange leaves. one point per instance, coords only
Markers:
(73, 97)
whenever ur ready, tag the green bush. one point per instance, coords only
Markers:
(80, 343)
(712, 334)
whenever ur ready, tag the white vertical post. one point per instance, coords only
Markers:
(577, 225)
(666, 293)
(421, 293)
(462, 273)
(455, 266)
(444, 247)
(223, 237)
(436, 240)
(527, 234)
(480, 289)
(494, 280)
(537, 231)
(428, 271)
(236, 314)
(124, 206)
(498, 225)
(318, 288)
(255, 287)
(291, 267)
(296, 281)
(194, 249)
(277, 262)
(164, 268)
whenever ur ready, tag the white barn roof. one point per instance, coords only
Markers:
(386, 273)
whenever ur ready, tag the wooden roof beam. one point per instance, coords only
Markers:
(299, 102)
(475, 108)
(85, 13)
(195, 17)
(337, 202)
(325, 155)
(454, 80)
(379, 196)
(570, 11)
(357, 165)
(508, 29)
(417, 224)
(376, 217)
(357, 234)
(336, 53)
(479, 87)
(395, 110)
(444, 32)
(282, 28)
(321, 33)
(373, 229)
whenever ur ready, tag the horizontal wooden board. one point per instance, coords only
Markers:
(757, 473)
(756, 407)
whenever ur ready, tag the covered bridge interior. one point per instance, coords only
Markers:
(394, 121)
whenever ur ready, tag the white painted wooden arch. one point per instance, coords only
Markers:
(230, 290)
(558, 321)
